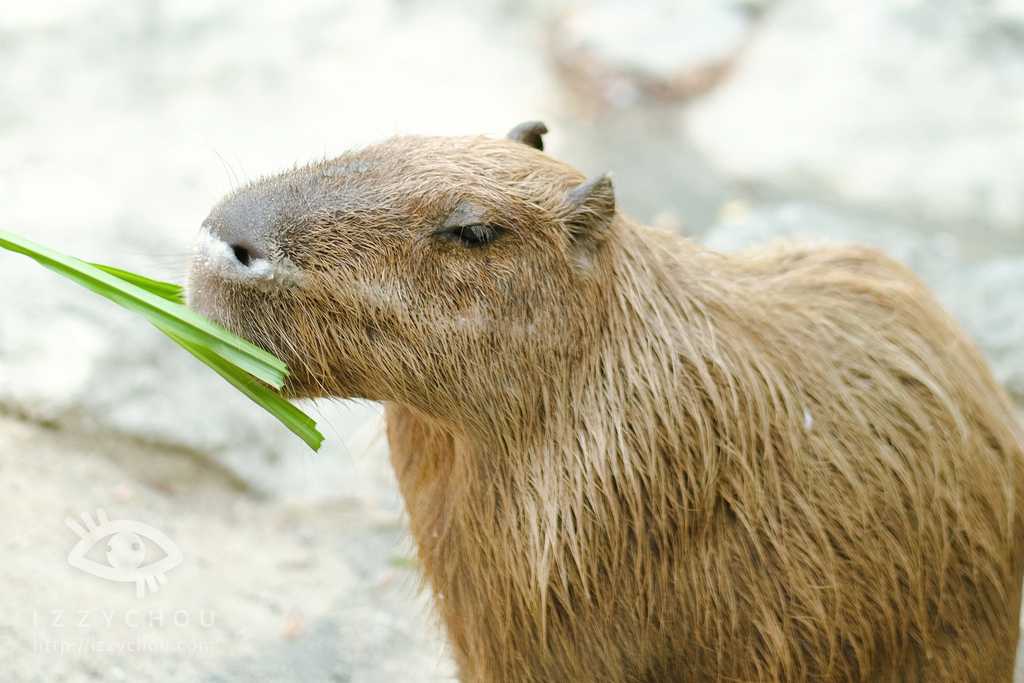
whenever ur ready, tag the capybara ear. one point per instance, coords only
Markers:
(529, 133)
(591, 206)
(590, 210)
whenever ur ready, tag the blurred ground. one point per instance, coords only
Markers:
(896, 122)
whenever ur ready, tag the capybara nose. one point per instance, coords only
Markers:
(246, 253)
(241, 237)
(231, 254)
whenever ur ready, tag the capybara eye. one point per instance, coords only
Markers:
(471, 236)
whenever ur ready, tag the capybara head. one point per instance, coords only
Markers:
(415, 270)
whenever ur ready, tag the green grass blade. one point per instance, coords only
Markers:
(171, 317)
(245, 366)
(294, 419)
(165, 290)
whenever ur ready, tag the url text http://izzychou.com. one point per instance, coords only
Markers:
(120, 647)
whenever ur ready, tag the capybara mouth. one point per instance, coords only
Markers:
(226, 283)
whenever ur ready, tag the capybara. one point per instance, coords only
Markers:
(626, 457)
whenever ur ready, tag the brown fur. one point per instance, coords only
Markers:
(628, 458)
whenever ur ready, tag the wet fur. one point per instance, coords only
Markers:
(628, 458)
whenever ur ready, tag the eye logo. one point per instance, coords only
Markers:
(125, 551)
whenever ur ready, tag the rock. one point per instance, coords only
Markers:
(912, 107)
(985, 297)
(614, 53)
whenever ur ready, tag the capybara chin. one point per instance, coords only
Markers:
(626, 457)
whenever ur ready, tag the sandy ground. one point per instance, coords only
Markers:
(269, 589)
